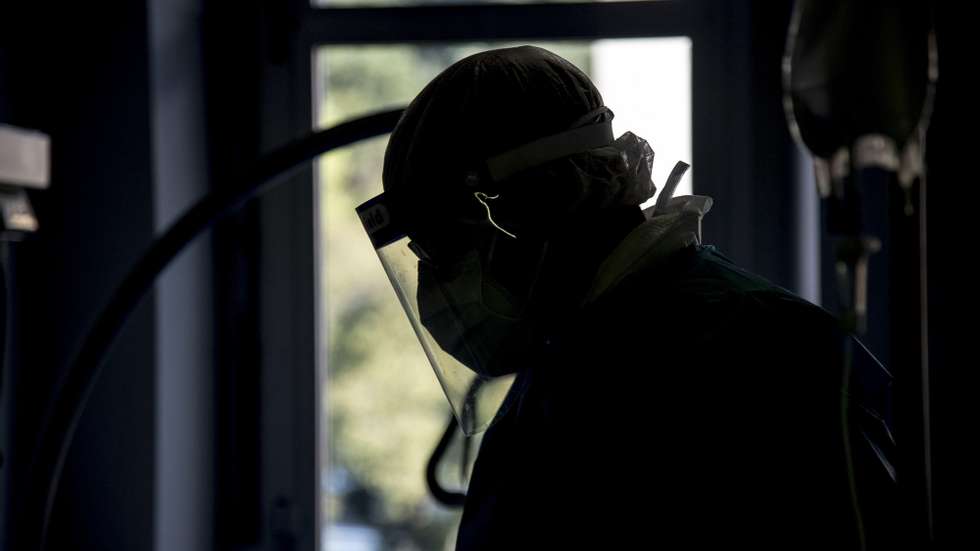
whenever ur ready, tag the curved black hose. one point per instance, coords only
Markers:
(440, 494)
(69, 403)
(6, 317)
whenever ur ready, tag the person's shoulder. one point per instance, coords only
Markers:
(699, 287)
(701, 273)
(751, 289)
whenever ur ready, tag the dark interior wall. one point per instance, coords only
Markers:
(6, 425)
(953, 300)
(81, 76)
(185, 451)
(232, 83)
(120, 89)
(259, 99)
(148, 105)
(743, 153)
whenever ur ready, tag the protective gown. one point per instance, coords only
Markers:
(687, 404)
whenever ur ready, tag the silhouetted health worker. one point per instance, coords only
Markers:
(638, 388)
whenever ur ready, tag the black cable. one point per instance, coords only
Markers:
(440, 494)
(63, 416)
(6, 324)
(6, 316)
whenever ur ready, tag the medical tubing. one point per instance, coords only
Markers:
(6, 317)
(440, 494)
(62, 417)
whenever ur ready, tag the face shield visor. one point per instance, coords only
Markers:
(473, 329)
(445, 306)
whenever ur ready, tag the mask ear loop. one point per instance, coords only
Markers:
(483, 198)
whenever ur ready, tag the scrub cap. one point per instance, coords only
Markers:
(485, 106)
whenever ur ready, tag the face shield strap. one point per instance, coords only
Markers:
(577, 140)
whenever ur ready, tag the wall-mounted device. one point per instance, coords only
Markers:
(25, 160)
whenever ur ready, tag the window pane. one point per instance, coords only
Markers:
(383, 410)
(646, 82)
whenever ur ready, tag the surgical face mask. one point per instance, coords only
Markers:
(473, 317)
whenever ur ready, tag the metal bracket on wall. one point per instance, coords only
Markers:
(25, 162)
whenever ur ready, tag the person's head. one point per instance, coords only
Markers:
(481, 106)
(441, 153)
(504, 178)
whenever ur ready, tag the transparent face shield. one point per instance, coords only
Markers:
(445, 308)
(472, 329)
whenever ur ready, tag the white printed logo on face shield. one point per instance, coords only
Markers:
(473, 318)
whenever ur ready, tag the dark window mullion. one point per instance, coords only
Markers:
(479, 22)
